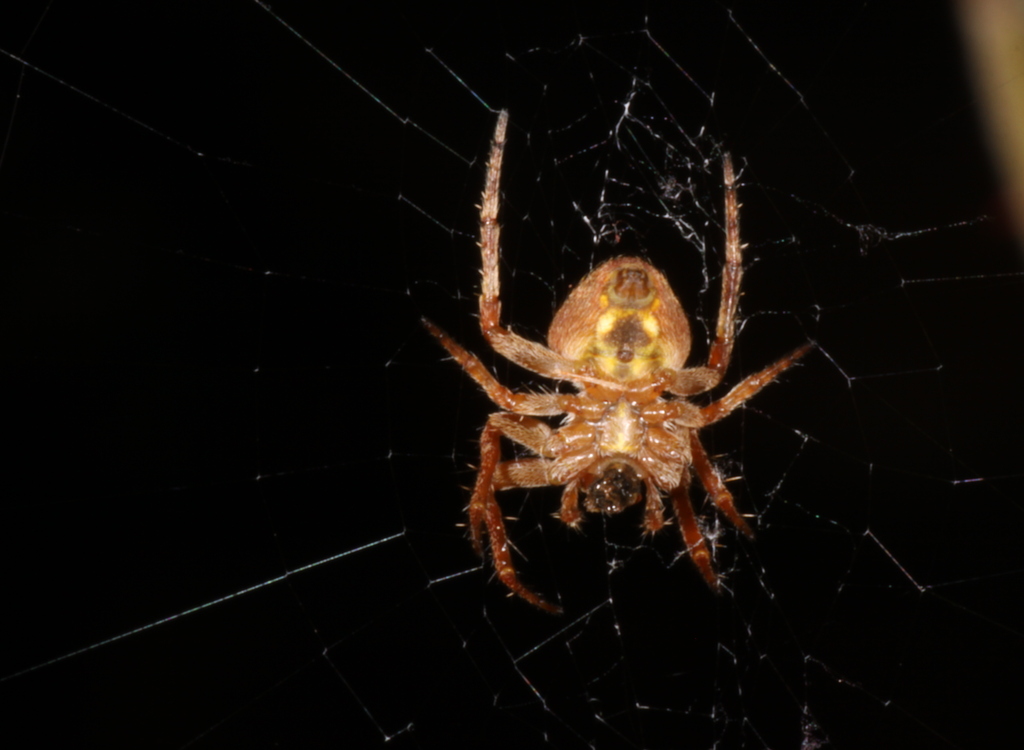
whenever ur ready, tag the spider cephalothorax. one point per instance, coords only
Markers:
(629, 433)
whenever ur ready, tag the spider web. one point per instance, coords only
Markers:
(233, 500)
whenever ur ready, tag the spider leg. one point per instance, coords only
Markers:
(732, 275)
(654, 508)
(484, 511)
(522, 472)
(692, 535)
(525, 353)
(569, 511)
(693, 380)
(529, 432)
(750, 385)
(490, 234)
(538, 404)
(699, 379)
(714, 485)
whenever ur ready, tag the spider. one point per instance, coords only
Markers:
(630, 431)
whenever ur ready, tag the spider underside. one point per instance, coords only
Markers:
(622, 339)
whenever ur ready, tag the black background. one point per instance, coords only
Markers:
(218, 244)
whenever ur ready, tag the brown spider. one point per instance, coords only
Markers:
(621, 339)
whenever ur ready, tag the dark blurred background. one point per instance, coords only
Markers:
(222, 224)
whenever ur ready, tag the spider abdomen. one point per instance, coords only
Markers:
(624, 320)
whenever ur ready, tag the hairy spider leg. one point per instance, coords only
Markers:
(732, 275)
(692, 536)
(750, 385)
(484, 511)
(715, 486)
(525, 353)
(536, 404)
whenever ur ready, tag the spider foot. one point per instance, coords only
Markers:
(726, 504)
(654, 520)
(702, 559)
(507, 575)
(570, 513)
(572, 519)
